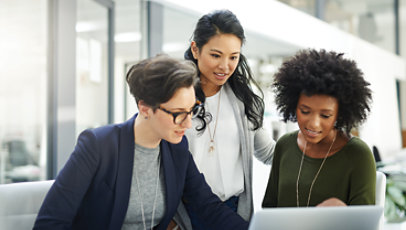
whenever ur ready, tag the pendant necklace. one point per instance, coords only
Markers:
(211, 144)
(315, 177)
(141, 198)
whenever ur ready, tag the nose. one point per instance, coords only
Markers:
(314, 122)
(187, 123)
(223, 64)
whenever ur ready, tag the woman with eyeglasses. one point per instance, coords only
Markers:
(133, 175)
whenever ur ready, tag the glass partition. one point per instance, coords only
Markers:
(129, 40)
(23, 84)
(91, 65)
(178, 28)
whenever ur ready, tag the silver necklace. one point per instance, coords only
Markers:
(315, 177)
(211, 144)
(156, 195)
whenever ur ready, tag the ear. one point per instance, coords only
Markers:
(194, 49)
(144, 109)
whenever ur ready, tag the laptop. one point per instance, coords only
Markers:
(361, 217)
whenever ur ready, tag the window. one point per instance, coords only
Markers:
(23, 87)
(91, 65)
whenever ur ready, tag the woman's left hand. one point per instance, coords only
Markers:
(331, 202)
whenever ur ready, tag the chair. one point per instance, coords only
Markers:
(380, 190)
(20, 203)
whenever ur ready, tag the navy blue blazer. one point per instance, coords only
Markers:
(93, 188)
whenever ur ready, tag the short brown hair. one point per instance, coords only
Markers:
(155, 80)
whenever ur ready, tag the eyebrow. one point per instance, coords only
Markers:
(181, 109)
(323, 110)
(305, 106)
(216, 50)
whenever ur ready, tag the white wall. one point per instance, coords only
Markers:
(381, 69)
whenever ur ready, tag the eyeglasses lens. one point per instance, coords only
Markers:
(182, 116)
(196, 110)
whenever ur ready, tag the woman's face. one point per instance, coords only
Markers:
(316, 116)
(162, 123)
(217, 60)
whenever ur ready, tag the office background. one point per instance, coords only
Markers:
(63, 65)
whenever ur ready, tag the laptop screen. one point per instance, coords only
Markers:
(362, 217)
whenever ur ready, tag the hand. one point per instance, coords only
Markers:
(172, 225)
(331, 202)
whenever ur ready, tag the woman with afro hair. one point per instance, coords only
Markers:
(321, 164)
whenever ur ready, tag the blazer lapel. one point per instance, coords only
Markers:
(124, 174)
(170, 182)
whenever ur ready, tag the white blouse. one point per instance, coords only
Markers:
(222, 168)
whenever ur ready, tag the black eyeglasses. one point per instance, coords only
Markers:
(179, 117)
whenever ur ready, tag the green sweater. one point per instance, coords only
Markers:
(349, 175)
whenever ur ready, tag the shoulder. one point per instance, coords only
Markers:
(232, 97)
(358, 146)
(358, 152)
(110, 132)
(288, 138)
(103, 133)
(113, 131)
(105, 138)
(286, 144)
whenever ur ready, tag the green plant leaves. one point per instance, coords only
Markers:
(395, 200)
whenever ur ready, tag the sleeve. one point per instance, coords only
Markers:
(264, 146)
(206, 204)
(63, 200)
(363, 176)
(271, 192)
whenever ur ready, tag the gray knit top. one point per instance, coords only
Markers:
(145, 169)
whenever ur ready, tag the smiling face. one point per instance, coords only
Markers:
(316, 116)
(217, 61)
(162, 123)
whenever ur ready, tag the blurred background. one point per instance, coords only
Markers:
(63, 65)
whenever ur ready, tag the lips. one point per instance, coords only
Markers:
(180, 133)
(220, 76)
(312, 133)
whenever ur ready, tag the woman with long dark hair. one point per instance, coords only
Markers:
(223, 152)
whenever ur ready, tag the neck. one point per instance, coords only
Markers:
(143, 133)
(318, 150)
(209, 89)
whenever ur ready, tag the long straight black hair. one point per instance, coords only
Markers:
(225, 22)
